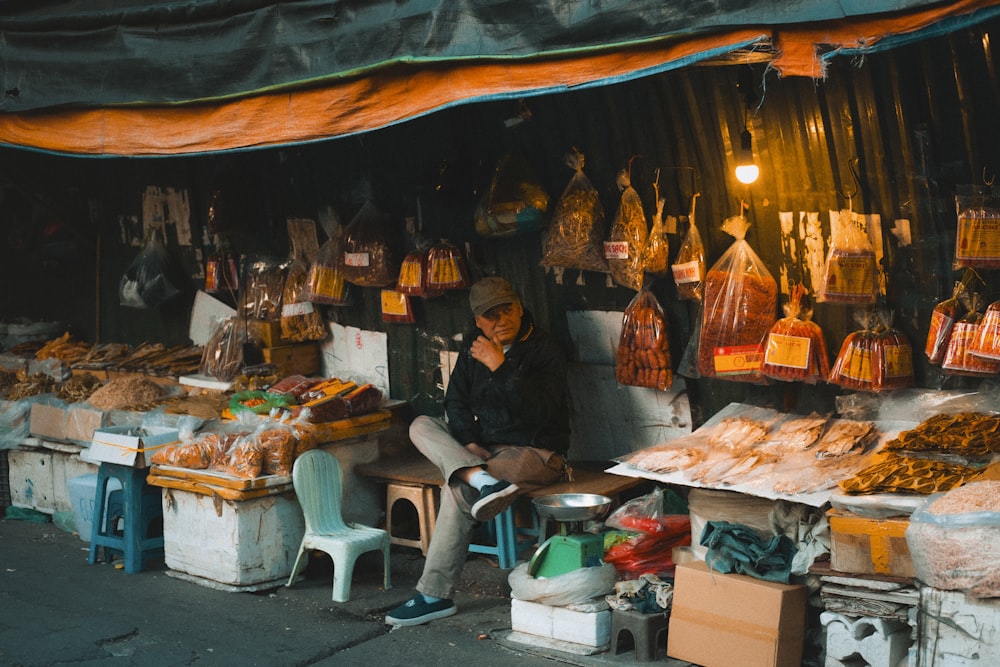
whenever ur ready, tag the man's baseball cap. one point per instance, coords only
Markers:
(489, 293)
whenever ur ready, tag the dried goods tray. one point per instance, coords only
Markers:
(218, 492)
(218, 478)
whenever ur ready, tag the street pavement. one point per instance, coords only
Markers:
(56, 609)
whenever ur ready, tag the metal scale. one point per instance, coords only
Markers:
(572, 548)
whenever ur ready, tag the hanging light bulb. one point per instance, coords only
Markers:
(746, 170)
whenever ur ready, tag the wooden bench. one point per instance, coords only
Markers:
(411, 477)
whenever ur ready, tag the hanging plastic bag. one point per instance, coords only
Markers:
(413, 274)
(300, 319)
(795, 350)
(741, 299)
(851, 271)
(222, 271)
(958, 357)
(397, 307)
(627, 241)
(943, 318)
(977, 241)
(689, 266)
(147, 282)
(852, 369)
(892, 363)
(575, 236)
(371, 249)
(656, 255)
(987, 342)
(515, 203)
(326, 282)
(446, 268)
(643, 357)
(222, 355)
(261, 299)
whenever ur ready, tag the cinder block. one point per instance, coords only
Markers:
(864, 642)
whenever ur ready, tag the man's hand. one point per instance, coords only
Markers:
(487, 352)
(481, 452)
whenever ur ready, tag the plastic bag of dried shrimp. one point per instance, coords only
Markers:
(627, 239)
(987, 341)
(795, 350)
(576, 233)
(643, 357)
(949, 538)
(741, 301)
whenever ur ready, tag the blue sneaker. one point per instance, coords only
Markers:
(418, 611)
(494, 499)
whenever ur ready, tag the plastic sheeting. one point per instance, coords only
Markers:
(173, 77)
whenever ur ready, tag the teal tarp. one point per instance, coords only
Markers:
(106, 52)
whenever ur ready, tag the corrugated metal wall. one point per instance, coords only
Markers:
(919, 121)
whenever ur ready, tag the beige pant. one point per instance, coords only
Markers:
(527, 467)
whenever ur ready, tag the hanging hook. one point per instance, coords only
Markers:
(852, 164)
(988, 182)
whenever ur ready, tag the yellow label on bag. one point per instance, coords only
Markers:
(788, 351)
(738, 359)
(393, 302)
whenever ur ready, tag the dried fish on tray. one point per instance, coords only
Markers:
(845, 436)
(665, 458)
(737, 434)
(796, 434)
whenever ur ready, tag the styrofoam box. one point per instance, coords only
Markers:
(247, 542)
(588, 628)
(958, 629)
(31, 480)
(83, 496)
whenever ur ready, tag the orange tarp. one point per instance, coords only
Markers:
(406, 91)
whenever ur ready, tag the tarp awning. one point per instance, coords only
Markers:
(171, 77)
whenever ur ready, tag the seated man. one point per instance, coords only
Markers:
(507, 430)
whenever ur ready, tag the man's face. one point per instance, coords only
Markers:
(501, 322)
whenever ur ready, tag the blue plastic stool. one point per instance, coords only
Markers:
(139, 507)
(503, 535)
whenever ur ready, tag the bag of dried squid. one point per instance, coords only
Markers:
(627, 240)
(575, 236)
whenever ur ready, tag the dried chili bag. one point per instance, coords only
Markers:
(576, 233)
(741, 300)
(627, 239)
(689, 266)
(514, 203)
(643, 357)
(795, 350)
(371, 248)
(851, 270)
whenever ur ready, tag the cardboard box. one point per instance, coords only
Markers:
(862, 545)
(128, 446)
(265, 333)
(295, 359)
(82, 419)
(720, 620)
(48, 421)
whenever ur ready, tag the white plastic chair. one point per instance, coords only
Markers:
(318, 482)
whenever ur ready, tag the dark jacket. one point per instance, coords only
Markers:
(524, 402)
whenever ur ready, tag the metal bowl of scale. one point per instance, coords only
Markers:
(572, 506)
